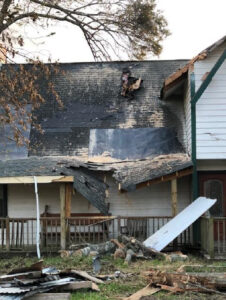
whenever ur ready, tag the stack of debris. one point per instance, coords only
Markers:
(177, 282)
(124, 247)
(181, 282)
(36, 282)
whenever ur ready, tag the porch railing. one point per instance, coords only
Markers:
(213, 236)
(20, 233)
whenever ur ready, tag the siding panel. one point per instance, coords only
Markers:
(211, 109)
(187, 112)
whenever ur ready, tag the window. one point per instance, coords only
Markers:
(3, 201)
(213, 189)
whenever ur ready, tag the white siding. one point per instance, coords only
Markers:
(21, 200)
(187, 112)
(211, 109)
(154, 200)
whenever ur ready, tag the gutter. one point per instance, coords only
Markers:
(195, 96)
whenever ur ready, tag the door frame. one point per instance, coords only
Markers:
(217, 175)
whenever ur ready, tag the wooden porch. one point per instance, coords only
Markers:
(19, 234)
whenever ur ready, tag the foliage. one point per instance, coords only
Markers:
(20, 94)
(134, 26)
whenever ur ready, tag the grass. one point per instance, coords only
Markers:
(120, 288)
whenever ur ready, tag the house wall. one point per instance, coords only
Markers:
(211, 109)
(22, 203)
(154, 200)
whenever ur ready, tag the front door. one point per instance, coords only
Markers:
(214, 186)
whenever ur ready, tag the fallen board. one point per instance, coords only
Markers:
(165, 235)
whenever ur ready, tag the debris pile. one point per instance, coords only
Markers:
(180, 282)
(36, 282)
(176, 282)
(127, 248)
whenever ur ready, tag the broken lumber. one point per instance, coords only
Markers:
(34, 267)
(78, 285)
(200, 282)
(82, 274)
(50, 296)
(30, 275)
(147, 291)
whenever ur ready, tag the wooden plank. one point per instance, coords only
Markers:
(50, 296)
(74, 286)
(147, 291)
(85, 275)
(62, 217)
(174, 197)
(40, 179)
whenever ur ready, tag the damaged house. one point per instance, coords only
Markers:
(117, 158)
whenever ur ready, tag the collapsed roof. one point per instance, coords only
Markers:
(98, 129)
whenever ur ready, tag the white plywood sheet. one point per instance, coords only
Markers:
(160, 239)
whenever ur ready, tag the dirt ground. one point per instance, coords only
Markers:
(120, 288)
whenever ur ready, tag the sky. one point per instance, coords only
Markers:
(194, 25)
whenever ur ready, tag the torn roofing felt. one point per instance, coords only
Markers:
(133, 143)
(91, 95)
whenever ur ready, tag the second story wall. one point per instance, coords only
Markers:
(211, 109)
(187, 113)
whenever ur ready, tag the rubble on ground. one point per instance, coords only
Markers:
(178, 282)
(36, 282)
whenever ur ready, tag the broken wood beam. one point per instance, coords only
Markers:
(147, 291)
(82, 274)
(78, 285)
